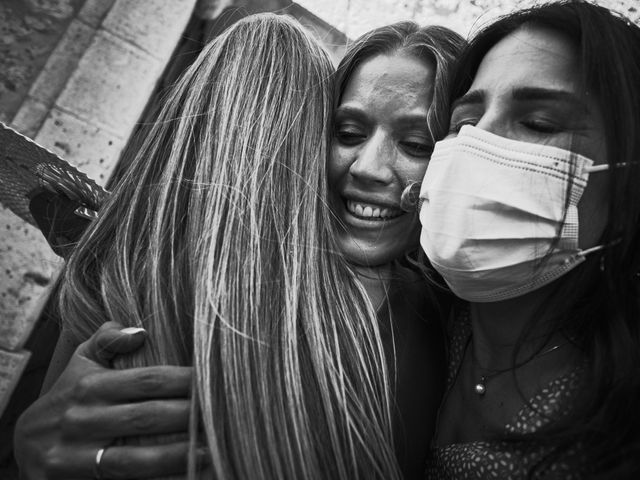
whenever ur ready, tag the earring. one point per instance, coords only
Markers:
(410, 198)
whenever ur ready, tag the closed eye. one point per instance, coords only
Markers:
(350, 132)
(349, 137)
(417, 149)
(456, 125)
(542, 126)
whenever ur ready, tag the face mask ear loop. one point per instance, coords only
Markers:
(586, 252)
(597, 248)
(604, 166)
(597, 168)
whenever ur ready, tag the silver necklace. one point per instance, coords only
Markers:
(481, 386)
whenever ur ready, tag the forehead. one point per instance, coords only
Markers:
(397, 78)
(532, 56)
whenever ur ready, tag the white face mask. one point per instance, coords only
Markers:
(492, 211)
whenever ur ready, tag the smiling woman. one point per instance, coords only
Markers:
(382, 143)
(391, 106)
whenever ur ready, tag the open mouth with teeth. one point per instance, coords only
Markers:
(371, 212)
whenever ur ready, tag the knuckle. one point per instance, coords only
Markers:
(142, 420)
(71, 422)
(53, 463)
(84, 389)
(150, 381)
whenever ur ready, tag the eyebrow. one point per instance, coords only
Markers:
(476, 97)
(409, 118)
(548, 94)
(347, 110)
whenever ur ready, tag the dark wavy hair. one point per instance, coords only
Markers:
(597, 304)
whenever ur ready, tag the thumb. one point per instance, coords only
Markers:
(111, 340)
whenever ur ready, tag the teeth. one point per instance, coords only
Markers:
(369, 211)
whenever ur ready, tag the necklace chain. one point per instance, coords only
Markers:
(481, 386)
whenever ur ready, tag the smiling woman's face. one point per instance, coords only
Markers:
(381, 144)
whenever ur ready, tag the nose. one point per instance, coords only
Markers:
(375, 160)
(493, 122)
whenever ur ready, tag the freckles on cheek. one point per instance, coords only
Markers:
(337, 166)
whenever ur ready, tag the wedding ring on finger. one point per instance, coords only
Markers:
(96, 467)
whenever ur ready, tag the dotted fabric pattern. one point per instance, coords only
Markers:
(482, 460)
(499, 459)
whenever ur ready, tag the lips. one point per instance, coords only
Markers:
(369, 211)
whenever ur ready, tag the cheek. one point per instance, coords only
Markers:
(338, 164)
(412, 170)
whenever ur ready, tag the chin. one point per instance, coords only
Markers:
(371, 256)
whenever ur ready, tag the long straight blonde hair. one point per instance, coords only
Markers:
(219, 242)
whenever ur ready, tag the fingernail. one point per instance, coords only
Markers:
(132, 330)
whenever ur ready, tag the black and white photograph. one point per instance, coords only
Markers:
(318, 240)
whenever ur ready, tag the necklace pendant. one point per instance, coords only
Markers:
(481, 388)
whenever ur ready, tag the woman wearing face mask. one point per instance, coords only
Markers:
(531, 214)
(401, 126)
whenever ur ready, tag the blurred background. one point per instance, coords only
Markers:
(80, 76)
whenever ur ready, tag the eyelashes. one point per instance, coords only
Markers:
(410, 144)
(455, 127)
(535, 125)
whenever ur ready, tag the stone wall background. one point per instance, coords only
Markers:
(29, 30)
(75, 75)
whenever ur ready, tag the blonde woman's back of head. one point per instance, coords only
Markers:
(219, 242)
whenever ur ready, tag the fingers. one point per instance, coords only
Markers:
(126, 462)
(134, 384)
(145, 461)
(111, 340)
(133, 419)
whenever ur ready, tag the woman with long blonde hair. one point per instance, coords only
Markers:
(219, 243)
